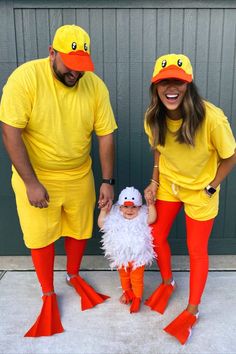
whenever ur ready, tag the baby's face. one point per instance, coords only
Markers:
(129, 212)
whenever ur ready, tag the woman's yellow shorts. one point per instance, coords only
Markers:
(69, 213)
(197, 204)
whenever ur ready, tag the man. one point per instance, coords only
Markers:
(49, 109)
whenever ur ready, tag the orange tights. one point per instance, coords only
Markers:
(198, 233)
(43, 260)
(132, 279)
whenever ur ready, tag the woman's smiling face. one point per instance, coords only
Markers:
(171, 92)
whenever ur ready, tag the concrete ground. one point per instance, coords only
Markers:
(109, 328)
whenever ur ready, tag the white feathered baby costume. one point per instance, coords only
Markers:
(125, 240)
(128, 245)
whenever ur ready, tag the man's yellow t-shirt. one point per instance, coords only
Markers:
(194, 167)
(57, 120)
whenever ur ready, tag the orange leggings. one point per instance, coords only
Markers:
(43, 259)
(198, 233)
(132, 279)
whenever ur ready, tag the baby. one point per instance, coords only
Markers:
(127, 241)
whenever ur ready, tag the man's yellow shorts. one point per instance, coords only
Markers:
(197, 204)
(69, 213)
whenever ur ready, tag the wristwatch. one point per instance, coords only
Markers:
(210, 190)
(110, 181)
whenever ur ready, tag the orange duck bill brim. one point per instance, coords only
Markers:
(77, 61)
(172, 72)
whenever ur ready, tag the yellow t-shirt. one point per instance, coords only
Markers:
(194, 167)
(57, 120)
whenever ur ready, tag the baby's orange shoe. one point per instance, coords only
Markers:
(135, 305)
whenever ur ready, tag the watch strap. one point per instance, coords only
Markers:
(110, 181)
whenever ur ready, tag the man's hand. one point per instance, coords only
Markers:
(106, 196)
(37, 195)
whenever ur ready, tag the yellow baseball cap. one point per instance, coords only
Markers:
(73, 44)
(172, 66)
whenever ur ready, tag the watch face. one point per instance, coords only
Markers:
(210, 189)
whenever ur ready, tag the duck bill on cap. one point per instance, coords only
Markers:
(128, 203)
(78, 61)
(172, 72)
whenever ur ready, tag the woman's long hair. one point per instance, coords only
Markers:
(192, 112)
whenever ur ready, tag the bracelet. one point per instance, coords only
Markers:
(155, 166)
(155, 182)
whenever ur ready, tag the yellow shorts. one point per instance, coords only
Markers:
(197, 204)
(69, 213)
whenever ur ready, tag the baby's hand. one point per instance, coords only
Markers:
(149, 198)
(104, 208)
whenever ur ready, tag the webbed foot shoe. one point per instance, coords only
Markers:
(89, 297)
(159, 299)
(181, 327)
(48, 321)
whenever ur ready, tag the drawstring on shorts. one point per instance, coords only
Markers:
(175, 188)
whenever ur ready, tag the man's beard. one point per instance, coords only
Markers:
(62, 77)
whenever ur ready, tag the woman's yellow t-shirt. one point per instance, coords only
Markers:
(194, 167)
(57, 121)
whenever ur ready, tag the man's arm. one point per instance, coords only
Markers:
(106, 154)
(37, 194)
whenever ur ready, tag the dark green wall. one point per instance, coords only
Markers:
(126, 37)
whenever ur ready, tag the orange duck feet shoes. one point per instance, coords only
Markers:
(89, 297)
(129, 295)
(159, 299)
(48, 321)
(135, 305)
(181, 327)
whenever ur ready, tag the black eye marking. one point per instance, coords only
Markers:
(74, 45)
(125, 197)
(133, 198)
(164, 63)
(179, 62)
(85, 47)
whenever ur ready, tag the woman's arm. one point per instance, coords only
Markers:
(154, 181)
(226, 165)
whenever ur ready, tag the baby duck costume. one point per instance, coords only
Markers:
(128, 245)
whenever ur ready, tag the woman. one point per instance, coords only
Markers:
(194, 150)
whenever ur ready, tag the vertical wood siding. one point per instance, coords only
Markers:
(125, 43)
